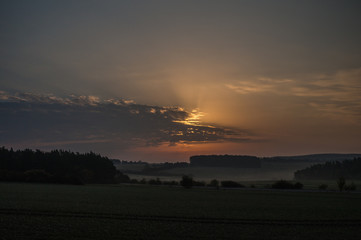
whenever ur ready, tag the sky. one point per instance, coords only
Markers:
(161, 81)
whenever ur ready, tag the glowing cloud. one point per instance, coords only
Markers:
(46, 120)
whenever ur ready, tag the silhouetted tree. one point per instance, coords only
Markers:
(350, 187)
(187, 181)
(214, 183)
(341, 183)
(298, 185)
(121, 177)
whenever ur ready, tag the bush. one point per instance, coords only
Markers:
(187, 181)
(155, 181)
(283, 184)
(298, 185)
(121, 177)
(351, 187)
(214, 183)
(323, 187)
(231, 184)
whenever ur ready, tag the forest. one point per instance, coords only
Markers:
(57, 166)
(225, 161)
(350, 169)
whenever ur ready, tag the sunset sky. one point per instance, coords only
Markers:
(163, 80)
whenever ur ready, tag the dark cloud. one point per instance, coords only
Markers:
(33, 120)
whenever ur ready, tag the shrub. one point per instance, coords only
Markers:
(214, 183)
(298, 185)
(323, 187)
(155, 181)
(283, 184)
(121, 177)
(231, 184)
(351, 187)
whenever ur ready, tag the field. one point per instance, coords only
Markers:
(44, 211)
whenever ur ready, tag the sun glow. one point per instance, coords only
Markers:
(194, 118)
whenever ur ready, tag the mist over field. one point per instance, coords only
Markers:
(266, 169)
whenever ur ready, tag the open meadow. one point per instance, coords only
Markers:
(46, 211)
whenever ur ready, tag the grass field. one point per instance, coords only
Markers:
(41, 211)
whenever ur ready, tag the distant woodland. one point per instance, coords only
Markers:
(57, 166)
(350, 169)
(225, 161)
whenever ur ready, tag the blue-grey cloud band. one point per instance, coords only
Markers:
(47, 120)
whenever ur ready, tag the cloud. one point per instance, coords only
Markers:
(36, 120)
(335, 94)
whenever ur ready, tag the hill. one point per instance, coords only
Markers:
(350, 169)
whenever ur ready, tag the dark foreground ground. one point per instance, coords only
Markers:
(36, 211)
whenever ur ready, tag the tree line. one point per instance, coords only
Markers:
(57, 166)
(238, 161)
(350, 169)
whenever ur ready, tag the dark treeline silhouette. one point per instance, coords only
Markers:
(155, 167)
(225, 161)
(283, 184)
(57, 166)
(313, 158)
(350, 169)
(146, 168)
(244, 161)
(231, 184)
(165, 165)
